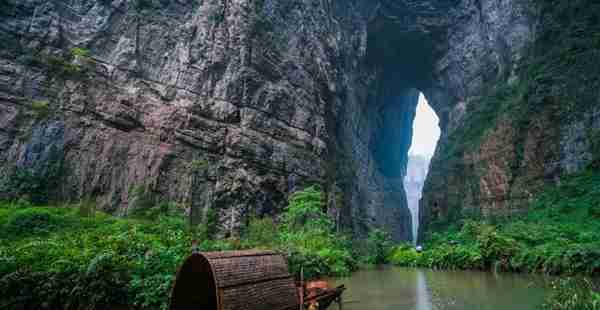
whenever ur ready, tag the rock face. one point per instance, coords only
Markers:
(230, 105)
(535, 122)
(220, 101)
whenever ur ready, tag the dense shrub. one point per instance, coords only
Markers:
(557, 236)
(95, 262)
(307, 235)
(31, 222)
(573, 294)
(38, 183)
(72, 259)
(378, 247)
(261, 233)
(404, 255)
(69, 258)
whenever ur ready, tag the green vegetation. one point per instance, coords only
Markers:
(307, 235)
(41, 108)
(198, 164)
(53, 256)
(62, 66)
(573, 294)
(36, 184)
(554, 83)
(141, 200)
(561, 232)
(80, 52)
(560, 235)
(76, 258)
(378, 248)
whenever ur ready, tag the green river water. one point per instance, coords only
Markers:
(391, 288)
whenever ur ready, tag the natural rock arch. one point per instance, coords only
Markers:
(449, 50)
(269, 95)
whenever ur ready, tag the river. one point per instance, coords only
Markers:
(391, 288)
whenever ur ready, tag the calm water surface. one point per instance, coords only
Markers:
(392, 288)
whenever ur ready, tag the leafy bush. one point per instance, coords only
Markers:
(86, 208)
(88, 262)
(36, 184)
(378, 247)
(404, 255)
(261, 233)
(69, 259)
(32, 221)
(556, 237)
(63, 68)
(145, 208)
(63, 65)
(307, 235)
(573, 294)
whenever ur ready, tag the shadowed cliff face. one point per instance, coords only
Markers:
(230, 105)
(404, 39)
(449, 50)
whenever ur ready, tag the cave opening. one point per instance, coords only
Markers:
(425, 136)
(402, 57)
(405, 131)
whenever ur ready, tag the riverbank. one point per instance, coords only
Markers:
(559, 235)
(73, 257)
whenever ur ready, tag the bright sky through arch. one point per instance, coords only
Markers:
(426, 130)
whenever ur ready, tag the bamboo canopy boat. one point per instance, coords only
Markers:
(321, 297)
(243, 280)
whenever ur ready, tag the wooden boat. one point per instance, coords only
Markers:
(245, 280)
(322, 298)
(236, 280)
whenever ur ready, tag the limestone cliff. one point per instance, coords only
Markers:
(230, 105)
(216, 104)
(525, 129)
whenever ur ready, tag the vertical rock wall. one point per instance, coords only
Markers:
(230, 105)
(137, 97)
(528, 114)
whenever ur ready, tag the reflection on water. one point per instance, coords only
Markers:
(421, 292)
(415, 289)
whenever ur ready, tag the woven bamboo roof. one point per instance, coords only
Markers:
(248, 280)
